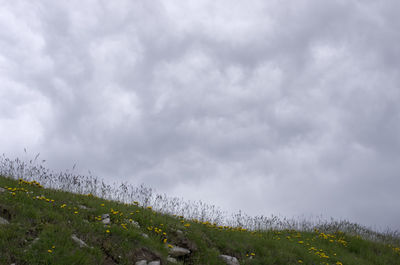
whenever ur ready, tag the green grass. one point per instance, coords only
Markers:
(32, 214)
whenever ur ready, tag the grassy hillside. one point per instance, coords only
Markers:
(42, 223)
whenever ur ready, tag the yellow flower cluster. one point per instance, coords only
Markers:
(159, 231)
(32, 183)
(17, 189)
(341, 241)
(98, 218)
(290, 235)
(42, 198)
(214, 225)
(395, 249)
(51, 250)
(319, 252)
(13, 190)
(114, 212)
(332, 238)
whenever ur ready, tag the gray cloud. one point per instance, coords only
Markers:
(269, 107)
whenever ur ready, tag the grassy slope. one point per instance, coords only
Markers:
(53, 223)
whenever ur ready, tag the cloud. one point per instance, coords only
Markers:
(270, 107)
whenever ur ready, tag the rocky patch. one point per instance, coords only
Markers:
(176, 251)
(3, 221)
(80, 242)
(181, 240)
(105, 218)
(142, 255)
(229, 260)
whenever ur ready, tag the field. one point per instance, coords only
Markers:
(45, 211)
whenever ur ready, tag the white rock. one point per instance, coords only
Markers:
(105, 218)
(79, 241)
(141, 262)
(172, 260)
(176, 251)
(105, 215)
(3, 221)
(156, 262)
(145, 235)
(2, 190)
(229, 260)
(83, 207)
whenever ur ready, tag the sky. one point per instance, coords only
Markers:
(272, 107)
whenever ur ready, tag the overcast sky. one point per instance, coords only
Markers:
(272, 107)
